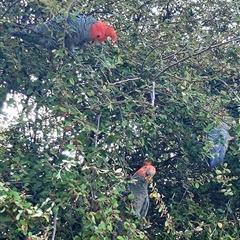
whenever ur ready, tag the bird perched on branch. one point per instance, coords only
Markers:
(71, 32)
(139, 188)
(219, 138)
(140, 203)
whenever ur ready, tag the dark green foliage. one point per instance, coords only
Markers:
(86, 123)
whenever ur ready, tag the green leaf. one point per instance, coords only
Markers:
(218, 172)
(72, 81)
(124, 123)
(120, 238)
(131, 196)
(197, 185)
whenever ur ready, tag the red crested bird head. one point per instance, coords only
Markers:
(147, 171)
(101, 31)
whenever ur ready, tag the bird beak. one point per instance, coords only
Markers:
(148, 179)
(95, 43)
(149, 175)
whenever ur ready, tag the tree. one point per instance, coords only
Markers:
(88, 122)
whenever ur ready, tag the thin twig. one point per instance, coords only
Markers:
(184, 194)
(234, 93)
(55, 224)
(153, 93)
(10, 8)
(70, 6)
(123, 81)
(120, 102)
(98, 126)
(184, 79)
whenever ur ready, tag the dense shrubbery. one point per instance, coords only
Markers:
(86, 124)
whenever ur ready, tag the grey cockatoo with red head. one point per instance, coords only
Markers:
(71, 32)
(139, 188)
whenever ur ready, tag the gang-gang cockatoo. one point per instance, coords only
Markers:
(139, 188)
(70, 32)
(219, 138)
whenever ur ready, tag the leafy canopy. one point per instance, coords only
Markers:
(85, 123)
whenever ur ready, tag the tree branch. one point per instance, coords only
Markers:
(123, 81)
(55, 224)
(11, 6)
(98, 126)
(195, 54)
(153, 93)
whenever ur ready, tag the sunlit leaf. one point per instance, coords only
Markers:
(220, 225)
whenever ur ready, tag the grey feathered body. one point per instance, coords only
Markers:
(219, 138)
(75, 30)
(141, 199)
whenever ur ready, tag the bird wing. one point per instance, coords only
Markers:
(75, 30)
(82, 27)
(43, 34)
(145, 207)
(140, 192)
